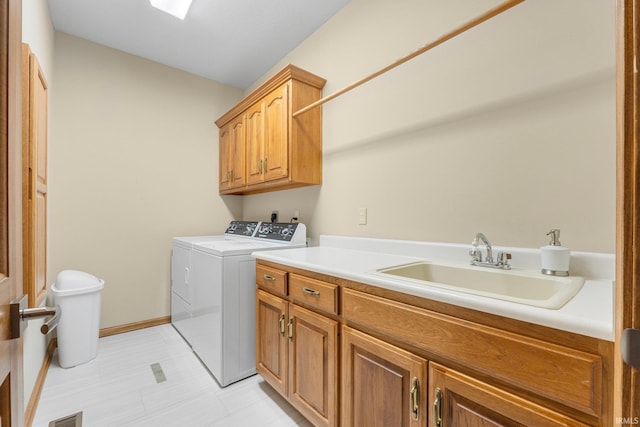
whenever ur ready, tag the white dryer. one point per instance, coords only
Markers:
(220, 284)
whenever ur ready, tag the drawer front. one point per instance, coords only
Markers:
(561, 374)
(314, 293)
(271, 279)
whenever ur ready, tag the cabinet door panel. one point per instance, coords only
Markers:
(313, 366)
(231, 151)
(377, 383)
(271, 342)
(255, 143)
(237, 153)
(465, 401)
(276, 142)
(224, 144)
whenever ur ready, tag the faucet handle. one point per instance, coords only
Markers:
(503, 259)
(475, 254)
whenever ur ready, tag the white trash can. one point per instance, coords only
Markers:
(78, 295)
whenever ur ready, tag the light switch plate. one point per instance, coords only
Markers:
(362, 216)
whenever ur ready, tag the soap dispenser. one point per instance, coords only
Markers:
(555, 257)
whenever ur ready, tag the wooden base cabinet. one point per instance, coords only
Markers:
(460, 400)
(382, 385)
(404, 361)
(297, 354)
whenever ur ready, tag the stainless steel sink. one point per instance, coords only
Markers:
(517, 286)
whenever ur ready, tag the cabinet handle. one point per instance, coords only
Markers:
(311, 292)
(260, 167)
(291, 329)
(268, 278)
(437, 409)
(186, 275)
(415, 399)
(282, 325)
(265, 165)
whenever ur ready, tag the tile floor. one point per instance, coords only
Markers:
(118, 388)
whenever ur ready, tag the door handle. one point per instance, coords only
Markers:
(630, 347)
(19, 314)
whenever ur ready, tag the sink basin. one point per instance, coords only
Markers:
(523, 287)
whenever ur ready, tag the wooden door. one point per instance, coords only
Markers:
(271, 340)
(627, 378)
(34, 177)
(382, 385)
(255, 144)
(313, 366)
(276, 136)
(459, 400)
(11, 381)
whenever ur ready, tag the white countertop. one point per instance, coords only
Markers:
(589, 313)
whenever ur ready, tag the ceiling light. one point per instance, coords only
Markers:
(177, 8)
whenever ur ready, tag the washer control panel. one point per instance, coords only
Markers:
(278, 231)
(242, 228)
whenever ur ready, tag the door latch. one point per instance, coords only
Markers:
(19, 314)
(630, 347)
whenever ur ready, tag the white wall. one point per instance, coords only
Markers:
(133, 163)
(508, 129)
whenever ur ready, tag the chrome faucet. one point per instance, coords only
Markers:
(476, 254)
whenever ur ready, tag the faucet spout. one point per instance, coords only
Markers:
(476, 254)
(481, 237)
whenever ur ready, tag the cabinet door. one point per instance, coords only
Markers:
(276, 134)
(237, 153)
(382, 385)
(271, 340)
(313, 366)
(232, 154)
(255, 144)
(459, 400)
(224, 154)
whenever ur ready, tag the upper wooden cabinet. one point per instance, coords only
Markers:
(278, 151)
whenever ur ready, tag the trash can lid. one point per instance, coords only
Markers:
(72, 279)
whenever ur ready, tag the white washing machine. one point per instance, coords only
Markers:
(217, 275)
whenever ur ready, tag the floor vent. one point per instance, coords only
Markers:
(158, 373)
(74, 420)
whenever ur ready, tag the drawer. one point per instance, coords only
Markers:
(562, 374)
(314, 293)
(271, 279)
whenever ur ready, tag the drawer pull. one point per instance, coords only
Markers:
(282, 324)
(269, 278)
(437, 408)
(311, 292)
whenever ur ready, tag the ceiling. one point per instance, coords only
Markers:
(231, 41)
